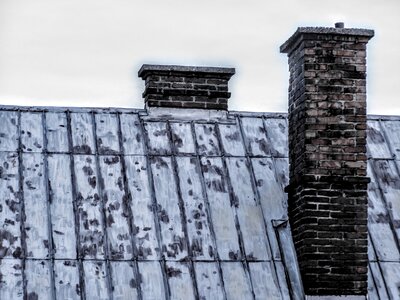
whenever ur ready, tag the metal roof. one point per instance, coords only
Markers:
(126, 204)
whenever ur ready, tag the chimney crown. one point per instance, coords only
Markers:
(186, 86)
(321, 33)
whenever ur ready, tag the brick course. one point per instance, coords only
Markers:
(327, 153)
(186, 87)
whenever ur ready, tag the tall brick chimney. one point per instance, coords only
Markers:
(186, 86)
(327, 154)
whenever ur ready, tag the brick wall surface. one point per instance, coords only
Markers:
(328, 163)
(186, 87)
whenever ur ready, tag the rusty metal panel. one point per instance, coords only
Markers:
(61, 206)
(11, 286)
(9, 131)
(82, 133)
(221, 211)
(248, 210)
(254, 137)
(180, 280)
(200, 240)
(143, 222)
(38, 279)
(264, 280)
(236, 281)
(57, 132)
(157, 137)
(392, 130)
(123, 281)
(389, 182)
(391, 273)
(208, 280)
(207, 139)
(31, 132)
(107, 133)
(272, 197)
(382, 236)
(96, 281)
(116, 209)
(376, 143)
(10, 206)
(91, 230)
(35, 198)
(182, 138)
(66, 279)
(132, 136)
(231, 139)
(174, 243)
(277, 134)
(152, 280)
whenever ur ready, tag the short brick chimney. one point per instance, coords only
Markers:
(327, 154)
(186, 86)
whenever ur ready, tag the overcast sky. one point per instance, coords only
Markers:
(88, 52)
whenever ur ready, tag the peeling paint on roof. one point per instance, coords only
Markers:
(121, 204)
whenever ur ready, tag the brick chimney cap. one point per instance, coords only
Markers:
(147, 69)
(303, 32)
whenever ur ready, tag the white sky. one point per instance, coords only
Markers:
(88, 52)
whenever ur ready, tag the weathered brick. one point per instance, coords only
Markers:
(327, 192)
(188, 87)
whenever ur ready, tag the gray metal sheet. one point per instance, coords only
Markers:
(231, 139)
(132, 136)
(123, 281)
(152, 280)
(248, 210)
(221, 211)
(107, 128)
(376, 283)
(272, 197)
(182, 138)
(61, 206)
(180, 280)
(116, 209)
(66, 279)
(169, 214)
(277, 134)
(38, 279)
(264, 281)
(236, 281)
(143, 222)
(11, 286)
(382, 236)
(207, 139)
(36, 209)
(32, 132)
(391, 272)
(82, 133)
(208, 280)
(389, 182)
(201, 242)
(90, 211)
(157, 138)
(10, 206)
(96, 285)
(376, 142)
(392, 130)
(9, 131)
(57, 132)
(254, 136)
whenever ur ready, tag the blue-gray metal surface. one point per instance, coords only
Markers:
(123, 204)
